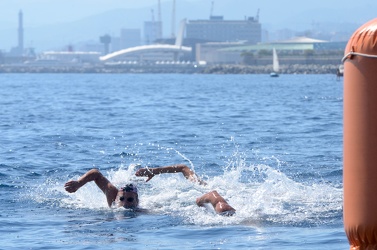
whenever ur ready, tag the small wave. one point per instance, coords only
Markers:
(124, 154)
(33, 174)
(3, 176)
(7, 186)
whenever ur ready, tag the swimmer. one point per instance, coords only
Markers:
(128, 197)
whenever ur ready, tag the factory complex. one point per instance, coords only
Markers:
(197, 43)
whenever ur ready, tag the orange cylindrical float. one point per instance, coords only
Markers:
(360, 138)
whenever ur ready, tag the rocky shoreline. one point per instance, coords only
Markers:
(285, 69)
(173, 69)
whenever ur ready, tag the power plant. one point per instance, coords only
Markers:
(197, 42)
(197, 30)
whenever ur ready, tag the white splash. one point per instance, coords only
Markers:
(259, 193)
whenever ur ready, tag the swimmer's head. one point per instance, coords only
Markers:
(130, 188)
(128, 196)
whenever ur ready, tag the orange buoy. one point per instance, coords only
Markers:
(360, 138)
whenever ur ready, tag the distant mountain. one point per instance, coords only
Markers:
(90, 28)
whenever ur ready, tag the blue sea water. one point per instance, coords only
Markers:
(271, 146)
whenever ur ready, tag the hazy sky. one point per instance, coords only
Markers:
(296, 15)
(41, 12)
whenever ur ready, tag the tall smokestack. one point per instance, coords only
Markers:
(20, 33)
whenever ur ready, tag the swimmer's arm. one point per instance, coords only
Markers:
(102, 182)
(179, 168)
(216, 200)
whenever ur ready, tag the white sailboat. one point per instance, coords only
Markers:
(275, 64)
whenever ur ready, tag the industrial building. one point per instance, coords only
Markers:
(153, 53)
(216, 29)
(152, 31)
(128, 38)
(153, 28)
(219, 32)
(212, 41)
(298, 50)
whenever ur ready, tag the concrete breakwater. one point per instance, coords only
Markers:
(174, 69)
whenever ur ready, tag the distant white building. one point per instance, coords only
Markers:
(70, 57)
(149, 54)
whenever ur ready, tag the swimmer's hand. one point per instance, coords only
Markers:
(145, 172)
(72, 186)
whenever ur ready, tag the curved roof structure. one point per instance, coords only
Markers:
(146, 49)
